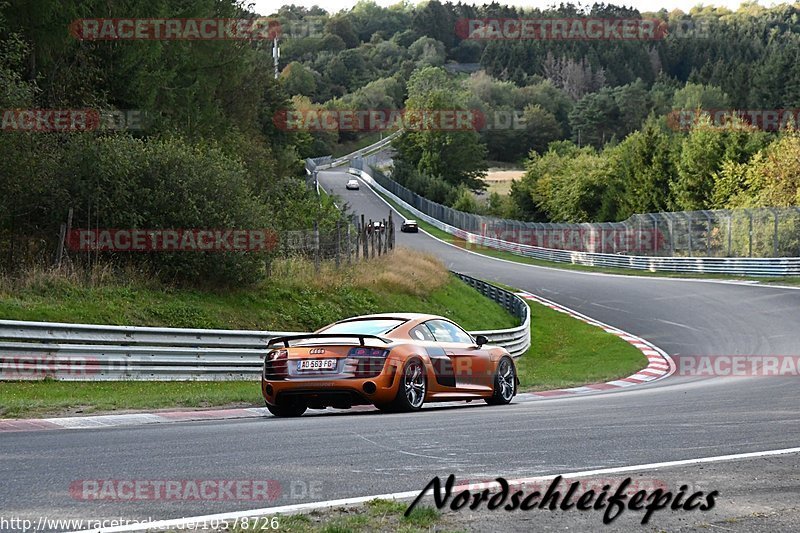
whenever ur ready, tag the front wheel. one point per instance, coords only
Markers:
(287, 410)
(505, 383)
(412, 389)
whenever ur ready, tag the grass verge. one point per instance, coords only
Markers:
(32, 399)
(500, 254)
(375, 515)
(295, 298)
(566, 352)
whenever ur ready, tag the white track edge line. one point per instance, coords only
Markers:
(178, 522)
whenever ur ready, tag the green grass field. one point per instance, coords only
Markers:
(566, 353)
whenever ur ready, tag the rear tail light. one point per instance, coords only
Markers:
(276, 365)
(366, 362)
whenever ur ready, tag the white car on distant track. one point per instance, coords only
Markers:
(352, 185)
(409, 226)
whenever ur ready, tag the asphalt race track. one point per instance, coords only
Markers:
(343, 454)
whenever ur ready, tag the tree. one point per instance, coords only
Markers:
(698, 96)
(701, 157)
(594, 119)
(644, 169)
(541, 128)
(431, 143)
(433, 19)
(427, 51)
(771, 178)
(342, 27)
(298, 79)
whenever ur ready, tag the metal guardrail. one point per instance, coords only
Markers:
(516, 340)
(83, 352)
(326, 162)
(742, 266)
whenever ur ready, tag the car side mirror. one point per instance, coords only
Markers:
(480, 340)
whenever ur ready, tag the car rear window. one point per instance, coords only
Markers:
(367, 327)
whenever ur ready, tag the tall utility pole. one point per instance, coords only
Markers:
(276, 54)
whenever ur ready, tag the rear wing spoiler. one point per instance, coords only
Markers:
(285, 340)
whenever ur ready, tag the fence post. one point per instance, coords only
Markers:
(62, 232)
(349, 244)
(689, 232)
(371, 238)
(730, 216)
(386, 236)
(775, 235)
(364, 243)
(390, 234)
(750, 234)
(316, 246)
(338, 243)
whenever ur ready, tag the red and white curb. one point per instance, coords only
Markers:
(134, 419)
(660, 365)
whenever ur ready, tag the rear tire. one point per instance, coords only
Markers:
(288, 410)
(411, 390)
(505, 383)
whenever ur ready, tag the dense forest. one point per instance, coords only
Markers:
(601, 135)
(205, 154)
(594, 121)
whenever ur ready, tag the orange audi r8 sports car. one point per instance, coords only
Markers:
(394, 361)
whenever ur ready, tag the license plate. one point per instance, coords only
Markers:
(316, 364)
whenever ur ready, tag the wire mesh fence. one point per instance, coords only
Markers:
(754, 232)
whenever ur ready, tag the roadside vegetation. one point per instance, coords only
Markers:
(564, 352)
(294, 298)
(375, 515)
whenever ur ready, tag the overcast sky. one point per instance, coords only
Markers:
(264, 7)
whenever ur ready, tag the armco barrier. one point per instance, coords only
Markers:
(761, 266)
(82, 352)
